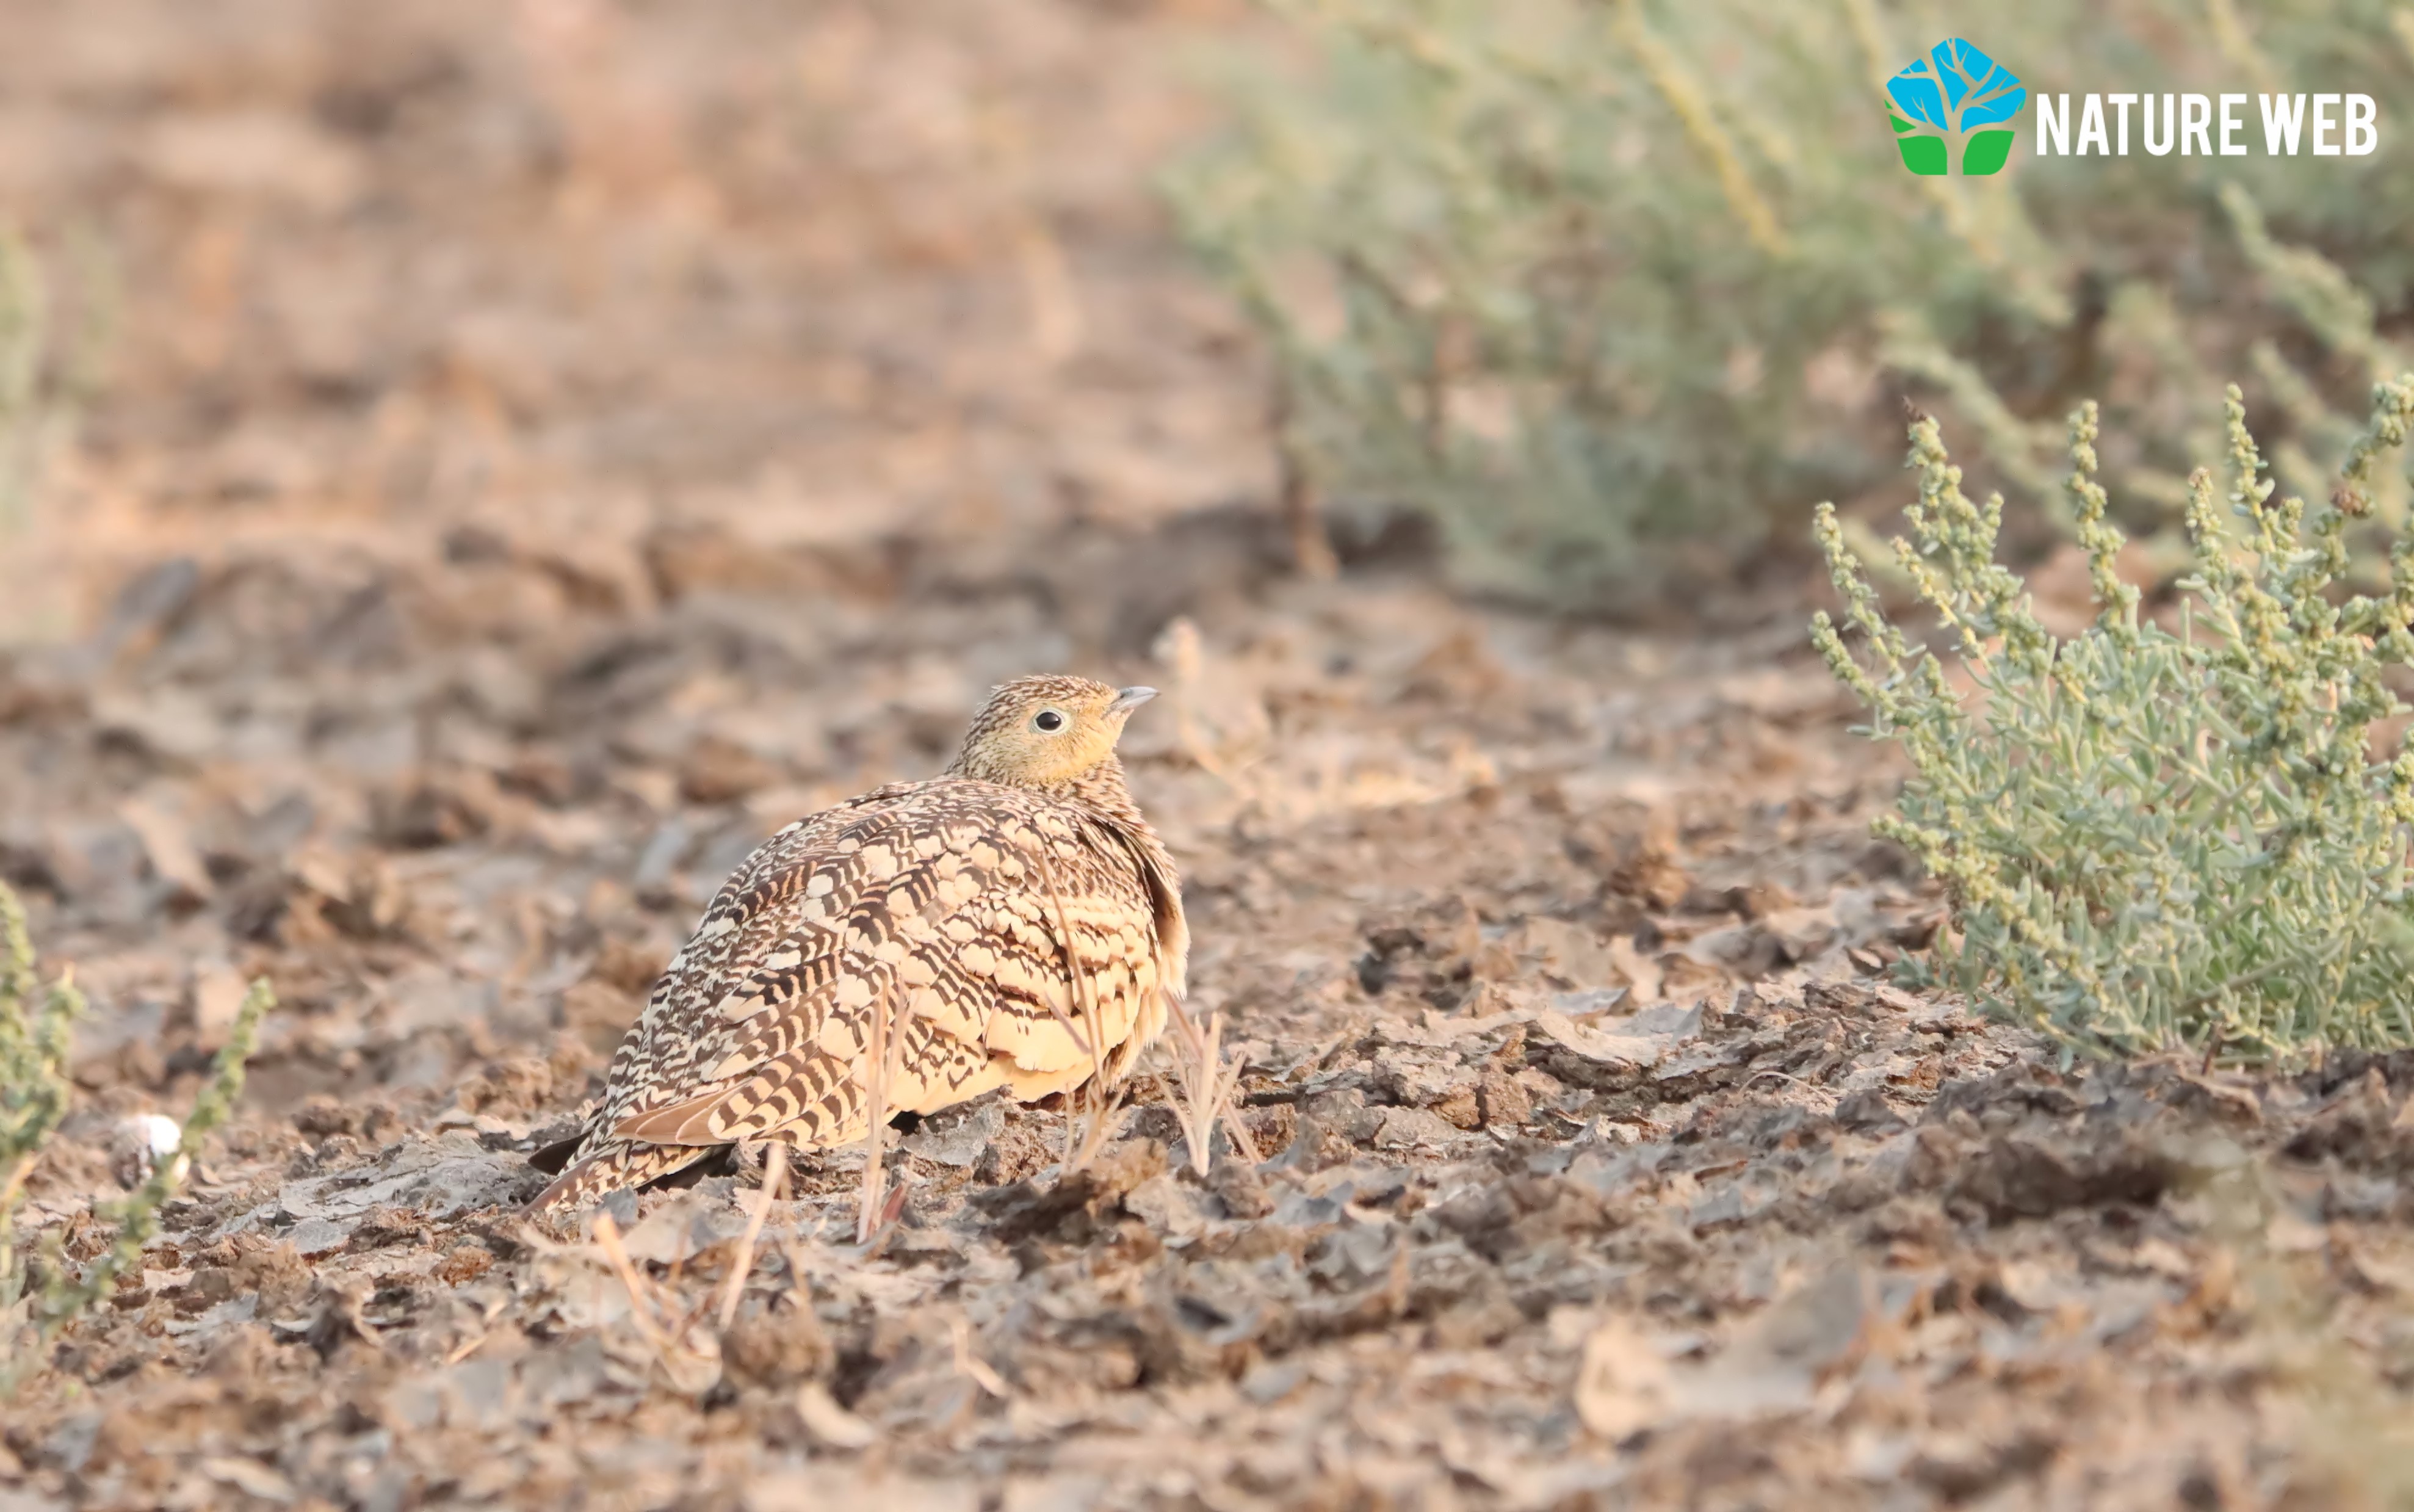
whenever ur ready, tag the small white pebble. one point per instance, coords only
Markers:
(158, 1133)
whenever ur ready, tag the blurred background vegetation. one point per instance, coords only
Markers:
(38, 380)
(1613, 291)
(55, 338)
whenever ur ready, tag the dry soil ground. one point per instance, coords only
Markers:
(551, 444)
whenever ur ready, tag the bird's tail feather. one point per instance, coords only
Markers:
(612, 1165)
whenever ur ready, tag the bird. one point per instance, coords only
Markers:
(1013, 922)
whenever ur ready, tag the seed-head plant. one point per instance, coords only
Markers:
(41, 1291)
(2168, 833)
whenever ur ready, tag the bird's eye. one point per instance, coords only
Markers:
(1047, 719)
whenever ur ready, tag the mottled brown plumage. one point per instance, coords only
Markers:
(988, 927)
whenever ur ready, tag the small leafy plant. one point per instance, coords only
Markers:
(2160, 835)
(40, 1294)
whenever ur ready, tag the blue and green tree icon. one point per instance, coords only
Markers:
(1954, 104)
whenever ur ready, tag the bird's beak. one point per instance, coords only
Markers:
(1128, 699)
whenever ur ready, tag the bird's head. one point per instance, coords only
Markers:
(1044, 731)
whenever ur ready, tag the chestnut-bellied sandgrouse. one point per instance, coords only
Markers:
(1013, 922)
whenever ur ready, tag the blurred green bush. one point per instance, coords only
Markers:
(1610, 287)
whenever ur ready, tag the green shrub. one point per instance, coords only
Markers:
(40, 1294)
(2160, 835)
(1609, 285)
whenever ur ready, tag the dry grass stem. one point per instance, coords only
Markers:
(1094, 1129)
(1085, 1043)
(1082, 1144)
(641, 1292)
(875, 1131)
(884, 1224)
(972, 1366)
(1085, 996)
(775, 1179)
(1208, 1087)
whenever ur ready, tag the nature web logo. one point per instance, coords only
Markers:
(1956, 103)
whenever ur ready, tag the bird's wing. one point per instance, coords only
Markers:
(923, 916)
(1086, 882)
